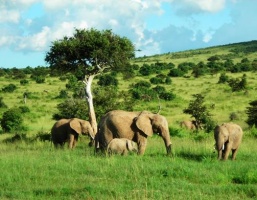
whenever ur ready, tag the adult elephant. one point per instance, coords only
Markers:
(135, 126)
(228, 137)
(68, 130)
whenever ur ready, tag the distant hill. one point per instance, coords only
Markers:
(234, 51)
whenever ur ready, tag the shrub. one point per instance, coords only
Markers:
(233, 116)
(198, 110)
(24, 109)
(167, 96)
(238, 85)
(40, 79)
(9, 88)
(145, 70)
(223, 78)
(24, 82)
(63, 94)
(12, 120)
(156, 80)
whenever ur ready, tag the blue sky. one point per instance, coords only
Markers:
(154, 26)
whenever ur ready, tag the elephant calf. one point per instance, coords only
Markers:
(121, 146)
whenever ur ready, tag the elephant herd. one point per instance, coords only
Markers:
(121, 131)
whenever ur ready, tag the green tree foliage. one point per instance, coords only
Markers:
(40, 79)
(92, 50)
(12, 120)
(71, 108)
(18, 74)
(109, 98)
(145, 70)
(24, 82)
(200, 112)
(9, 88)
(238, 85)
(251, 112)
(245, 65)
(223, 78)
(72, 82)
(199, 70)
(254, 65)
(107, 80)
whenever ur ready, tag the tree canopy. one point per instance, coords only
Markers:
(90, 51)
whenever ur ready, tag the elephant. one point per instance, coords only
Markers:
(190, 125)
(121, 146)
(135, 126)
(68, 130)
(228, 137)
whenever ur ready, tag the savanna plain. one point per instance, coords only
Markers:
(34, 169)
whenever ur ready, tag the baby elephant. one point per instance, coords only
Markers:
(121, 146)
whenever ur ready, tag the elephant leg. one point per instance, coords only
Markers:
(226, 152)
(234, 152)
(142, 142)
(71, 141)
(75, 141)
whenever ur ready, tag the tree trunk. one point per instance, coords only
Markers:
(89, 97)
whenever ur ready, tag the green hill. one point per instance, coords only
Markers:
(42, 102)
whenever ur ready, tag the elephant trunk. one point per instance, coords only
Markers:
(220, 148)
(166, 138)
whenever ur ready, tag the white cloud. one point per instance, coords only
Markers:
(208, 5)
(36, 42)
(9, 16)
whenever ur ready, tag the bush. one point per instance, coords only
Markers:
(24, 109)
(24, 82)
(12, 120)
(40, 79)
(156, 80)
(223, 78)
(233, 116)
(167, 96)
(9, 88)
(62, 94)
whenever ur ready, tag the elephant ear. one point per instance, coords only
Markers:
(143, 123)
(75, 125)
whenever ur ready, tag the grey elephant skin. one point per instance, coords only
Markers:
(68, 130)
(121, 146)
(228, 137)
(135, 126)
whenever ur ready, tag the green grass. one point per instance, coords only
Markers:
(37, 171)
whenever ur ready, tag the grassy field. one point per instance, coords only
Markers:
(33, 169)
(37, 171)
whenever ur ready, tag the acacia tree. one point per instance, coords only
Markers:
(91, 52)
